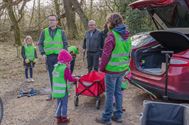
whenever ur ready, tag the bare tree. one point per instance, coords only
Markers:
(39, 15)
(33, 9)
(91, 8)
(80, 12)
(15, 27)
(70, 19)
(3, 5)
(14, 21)
(57, 9)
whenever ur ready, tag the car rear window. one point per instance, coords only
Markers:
(141, 40)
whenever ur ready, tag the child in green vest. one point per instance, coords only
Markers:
(29, 56)
(73, 50)
(62, 74)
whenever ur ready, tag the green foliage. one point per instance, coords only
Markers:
(137, 20)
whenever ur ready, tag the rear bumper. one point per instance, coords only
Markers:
(159, 91)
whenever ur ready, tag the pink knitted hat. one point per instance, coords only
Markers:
(64, 56)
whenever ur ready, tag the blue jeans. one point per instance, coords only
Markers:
(62, 105)
(113, 88)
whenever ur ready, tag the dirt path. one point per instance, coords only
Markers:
(36, 111)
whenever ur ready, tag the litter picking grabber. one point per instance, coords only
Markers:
(167, 57)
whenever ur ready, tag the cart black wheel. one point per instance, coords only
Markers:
(98, 104)
(76, 100)
(1, 110)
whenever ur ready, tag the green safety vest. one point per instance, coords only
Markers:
(29, 52)
(60, 87)
(53, 45)
(73, 49)
(119, 60)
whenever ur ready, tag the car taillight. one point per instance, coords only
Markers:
(179, 62)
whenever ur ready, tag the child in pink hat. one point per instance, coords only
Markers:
(62, 74)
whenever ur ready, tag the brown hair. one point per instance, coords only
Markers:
(114, 19)
(54, 16)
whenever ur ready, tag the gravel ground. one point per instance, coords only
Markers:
(37, 111)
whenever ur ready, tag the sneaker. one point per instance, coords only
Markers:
(100, 120)
(32, 80)
(27, 80)
(118, 120)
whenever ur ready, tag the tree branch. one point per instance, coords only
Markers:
(32, 13)
(21, 10)
(109, 6)
(22, 7)
(13, 3)
(2, 12)
(116, 4)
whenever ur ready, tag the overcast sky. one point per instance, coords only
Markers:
(44, 2)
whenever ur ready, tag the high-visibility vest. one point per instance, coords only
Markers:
(53, 45)
(60, 87)
(119, 60)
(29, 52)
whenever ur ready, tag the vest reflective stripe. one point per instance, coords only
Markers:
(118, 63)
(59, 91)
(59, 83)
(120, 55)
(119, 60)
(53, 49)
(53, 45)
(55, 74)
(29, 52)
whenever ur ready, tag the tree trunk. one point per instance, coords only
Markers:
(70, 19)
(57, 8)
(14, 22)
(32, 13)
(91, 9)
(80, 12)
(39, 15)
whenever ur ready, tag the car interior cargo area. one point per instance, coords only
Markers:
(151, 60)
